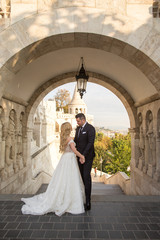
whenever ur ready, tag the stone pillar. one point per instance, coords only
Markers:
(11, 146)
(27, 146)
(141, 143)
(20, 134)
(44, 132)
(157, 174)
(37, 133)
(152, 146)
(145, 168)
(135, 147)
(25, 149)
(2, 152)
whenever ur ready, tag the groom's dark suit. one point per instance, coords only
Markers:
(84, 140)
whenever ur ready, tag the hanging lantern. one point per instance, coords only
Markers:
(82, 79)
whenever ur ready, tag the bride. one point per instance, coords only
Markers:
(65, 192)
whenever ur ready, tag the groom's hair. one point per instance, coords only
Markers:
(80, 116)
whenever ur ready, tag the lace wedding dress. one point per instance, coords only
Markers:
(65, 192)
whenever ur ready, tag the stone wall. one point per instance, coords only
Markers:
(118, 5)
(19, 9)
(145, 164)
(13, 139)
(26, 154)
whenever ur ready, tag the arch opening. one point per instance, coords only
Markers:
(94, 78)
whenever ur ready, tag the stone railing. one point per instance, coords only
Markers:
(119, 178)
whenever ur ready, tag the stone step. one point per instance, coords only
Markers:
(99, 188)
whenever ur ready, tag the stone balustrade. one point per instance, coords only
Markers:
(119, 178)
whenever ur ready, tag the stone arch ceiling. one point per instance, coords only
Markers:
(47, 44)
(62, 61)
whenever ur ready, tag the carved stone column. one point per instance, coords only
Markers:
(44, 131)
(27, 146)
(25, 149)
(145, 168)
(135, 147)
(150, 134)
(157, 173)
(37, 133)
(141, 143)
(3, 174)
(10, 153)
(19, 159)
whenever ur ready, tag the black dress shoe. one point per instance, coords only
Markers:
(88, 206)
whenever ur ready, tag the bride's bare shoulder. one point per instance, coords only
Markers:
(69, 139)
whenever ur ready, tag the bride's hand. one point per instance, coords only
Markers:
(82, 160)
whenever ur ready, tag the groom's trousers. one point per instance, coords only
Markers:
(85, 170)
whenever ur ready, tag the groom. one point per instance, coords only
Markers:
(84, 139)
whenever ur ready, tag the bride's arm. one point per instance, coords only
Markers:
(72, 145)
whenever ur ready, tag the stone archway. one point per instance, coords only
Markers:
(87, 27)
(96, 41)
(115, 87)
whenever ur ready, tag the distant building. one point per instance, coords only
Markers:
(111, 133)
(77, 105)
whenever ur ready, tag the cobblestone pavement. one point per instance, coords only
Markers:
(113, 218)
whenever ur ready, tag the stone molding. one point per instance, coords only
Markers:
(147, 100)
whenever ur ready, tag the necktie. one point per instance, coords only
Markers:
(80, 130)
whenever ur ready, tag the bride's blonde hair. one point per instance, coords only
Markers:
(66, 129)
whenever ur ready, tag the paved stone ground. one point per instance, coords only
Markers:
(111, 217)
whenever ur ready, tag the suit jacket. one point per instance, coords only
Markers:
(85, 141)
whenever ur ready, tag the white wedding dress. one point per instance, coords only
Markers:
(65, 192)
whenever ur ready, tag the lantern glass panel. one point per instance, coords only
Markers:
(85, 84)
(80, 83)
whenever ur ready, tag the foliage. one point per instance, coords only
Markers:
(115, 153)
(62, 98)
(102, 143)
(119, 154)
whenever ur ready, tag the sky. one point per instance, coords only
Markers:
(106, 107)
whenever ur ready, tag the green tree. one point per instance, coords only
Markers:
(101, 145)
(119, 154)
(62, 98)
